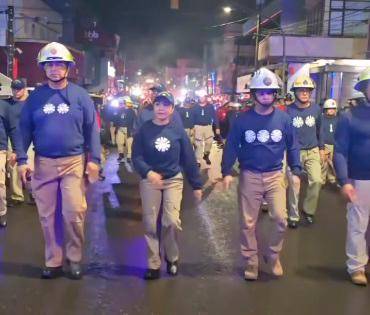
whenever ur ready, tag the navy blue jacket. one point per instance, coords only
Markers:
(352, 145)
(329, 125)
(307, 122)
(126, 117)
(8, 127)
(259, 143)
(165, 150)
(205, 115)
(60, 123)
(187, 117)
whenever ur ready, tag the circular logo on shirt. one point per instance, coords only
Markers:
(250, 136)
(48, 108)
(263, 136)
(298, 122)
(276, 135)
(63, 108)
(162, 144)
(310, 121)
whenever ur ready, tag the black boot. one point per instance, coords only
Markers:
(121, 157)
(51, 272)
(172, 268)
(75, 270)
(206, 158)
(152, 274)
(3, 221)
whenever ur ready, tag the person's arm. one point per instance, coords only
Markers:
(231, 149)
(138, 160)
(216, 122)
(341, 148)
(320, 131)
(25, 128)
(189, 163)
(293, 150)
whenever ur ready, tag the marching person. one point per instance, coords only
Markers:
(351, 160)
(258, 139)
(60, 119)
(329, 124)
(306, 119)
(161, 150)
(204, 118)
(187, 117)
(124, 122)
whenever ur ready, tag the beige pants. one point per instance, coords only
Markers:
(67, 175)
(124, 142)
(170, 197)
(203, 134)
(253, 187)
(310, 161)
(2, 182)
(327, 167)
(190, 133)
(15, 182)
(112, 131)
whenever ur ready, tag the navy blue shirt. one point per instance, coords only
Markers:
(8, 127)
(307, 122)
(125, 118)
(329, 124)
(60, 123)
(352, 145)
(205, 115)
(259, 143)
(166, 150)
(187, 117)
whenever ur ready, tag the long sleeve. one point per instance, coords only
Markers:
(230, 153)
(91, 130)
(138, 155)
(215, 118)
(320, 132)
(25, 128)
(189, 163)
(341, 147)
(13, 130)
(293, 150)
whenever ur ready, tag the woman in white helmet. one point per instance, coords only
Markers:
(351, 160)
(329, 124)
(258, 139)
(59, 119)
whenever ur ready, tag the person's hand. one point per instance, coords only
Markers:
(155, 178)
(227, 181)
(323, 155)
(217, 131)
(349, 192)
(92, 172)
(197, 195)
(296, 180)
(12, 159)
(23, 171)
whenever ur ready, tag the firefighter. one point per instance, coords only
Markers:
(161, 150)
(259, 139)
(124, 122)
(187, 117)
(306, 119)
(329, 124)
(351, 160)
(60, 119)
(204, 117)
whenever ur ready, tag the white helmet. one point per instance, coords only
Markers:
(264, 79)
(54, 52)
(330, 104)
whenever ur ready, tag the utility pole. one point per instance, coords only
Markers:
(259, 4)
(10, 41)
(368, 41)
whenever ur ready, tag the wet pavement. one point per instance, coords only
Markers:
(210, 279)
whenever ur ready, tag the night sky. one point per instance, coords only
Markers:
(150, 27)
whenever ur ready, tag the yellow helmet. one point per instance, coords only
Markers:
(303, 81)
(128, 101)
(54, 52)
(363, 79)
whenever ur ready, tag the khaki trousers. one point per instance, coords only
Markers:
(112, 130)
(357, 241)
(253, 187)
(3, 155)
(63, 177)
(327, 167)
(124, 142)
(170, 197)
(310, 161)
(203, 134)
(190, 133)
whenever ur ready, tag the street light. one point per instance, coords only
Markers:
(227, 9)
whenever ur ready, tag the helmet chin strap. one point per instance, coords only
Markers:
(265, 105)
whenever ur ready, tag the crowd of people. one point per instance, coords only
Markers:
(54, 137)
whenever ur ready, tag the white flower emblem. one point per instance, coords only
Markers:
(263, 136)
(63, 108)
(162, 144)
(310, 121)
(298, 122)
(48, 108)
(250, 136)
(276, 135)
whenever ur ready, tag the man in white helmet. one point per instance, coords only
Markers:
(258, 139)
(306, 119)
(329, 124)
(351, 160)
(59, 118)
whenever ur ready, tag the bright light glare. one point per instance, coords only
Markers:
(227, 9)
(201, 93)
(114, 103)
(184, 91)
(136, 91)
